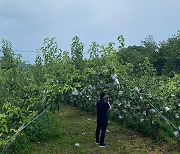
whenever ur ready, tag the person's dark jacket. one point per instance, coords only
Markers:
(102, 108)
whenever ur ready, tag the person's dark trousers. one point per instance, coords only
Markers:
(101, 126)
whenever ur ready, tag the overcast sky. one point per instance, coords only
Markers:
(25, 23)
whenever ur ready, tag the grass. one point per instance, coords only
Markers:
(77, 126)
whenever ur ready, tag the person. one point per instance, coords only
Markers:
(102, 107)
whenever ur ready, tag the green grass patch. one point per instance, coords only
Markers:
(79, 127)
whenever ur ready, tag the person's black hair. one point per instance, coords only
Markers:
(102, 95)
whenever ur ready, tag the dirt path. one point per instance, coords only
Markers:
(79, 127)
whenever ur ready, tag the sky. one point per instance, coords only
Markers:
(26, 23)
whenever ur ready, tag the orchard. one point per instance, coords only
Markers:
(143, 83)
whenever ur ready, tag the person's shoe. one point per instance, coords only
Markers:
(96, 142)
(102, 145)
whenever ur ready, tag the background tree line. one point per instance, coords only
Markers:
(165, 55)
